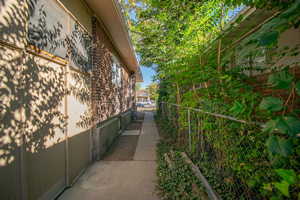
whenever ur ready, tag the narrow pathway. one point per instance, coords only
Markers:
(122, 179)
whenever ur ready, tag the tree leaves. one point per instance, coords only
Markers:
(272, 104)
(167, 31)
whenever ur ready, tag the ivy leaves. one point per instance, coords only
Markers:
(279, 25)
(237, 108)
(279, 146)
(289, 125)
(268, 38)
(286, 126)
(281, 80)
(272, 104)
(288, 177)
(282, 129)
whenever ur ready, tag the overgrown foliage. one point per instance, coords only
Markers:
(182, 41)
(176, 181)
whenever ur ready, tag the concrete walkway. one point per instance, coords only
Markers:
(122, 180)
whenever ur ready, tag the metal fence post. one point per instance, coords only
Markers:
(163, 110)
(168, 111)
(190, 136)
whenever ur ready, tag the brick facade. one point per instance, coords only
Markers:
(108, 99)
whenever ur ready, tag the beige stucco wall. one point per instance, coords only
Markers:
(28, 86)
(46, 146)
(78, 101)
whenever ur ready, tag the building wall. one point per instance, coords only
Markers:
(46, 124)
(260, 62)
(271, 61)
(13, 15)
(289, 39)
(11, 123)
(79, 153)
(105, 101)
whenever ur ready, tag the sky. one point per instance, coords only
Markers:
(147, 76)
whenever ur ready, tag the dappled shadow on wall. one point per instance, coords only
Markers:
(13, 17)
(52, 29)
(80, 89)
(31, 92)
(32, 89)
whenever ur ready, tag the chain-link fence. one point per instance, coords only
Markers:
(229, 152)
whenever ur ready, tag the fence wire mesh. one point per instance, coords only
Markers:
(224, 148)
